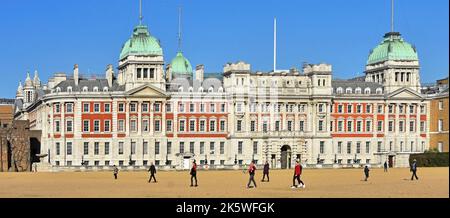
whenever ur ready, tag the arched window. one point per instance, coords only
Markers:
(348, 90)
(339, 90)
(191, 89)
(85, 89)
(379, 91)
(367, 91)
(69, 89)
(105, 89)
(58, 89)
(200, 89)
(221, 89)
(95, 89)
(358, 90)
(180, 89)
(323, 82)
(211, 89)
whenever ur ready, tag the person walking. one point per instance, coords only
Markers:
(385, 166)
(297, 173)
(152, 171)
(266, 172)
(116, 171)
(194, 174)
(414, 170)
(366, 172)
(251, 172)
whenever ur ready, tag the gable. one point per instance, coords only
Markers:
(147, 91)
(405, 94)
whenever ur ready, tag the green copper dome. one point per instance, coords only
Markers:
(141, 43)
(393, 48)
(180, 66)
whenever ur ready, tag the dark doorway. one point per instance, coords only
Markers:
(286, 157)
(391, 161)
(35, 148)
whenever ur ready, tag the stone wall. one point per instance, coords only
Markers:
(15, 147)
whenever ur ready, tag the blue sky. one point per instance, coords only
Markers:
(51, 36)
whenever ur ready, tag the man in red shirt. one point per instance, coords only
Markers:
(297, 173)
(194, 174)
(251, 171)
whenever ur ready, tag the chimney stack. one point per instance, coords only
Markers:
(200, 72)
(76, 76)
(110, 75)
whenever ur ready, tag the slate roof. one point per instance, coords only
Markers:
(90, 84)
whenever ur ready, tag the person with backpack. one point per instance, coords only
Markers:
(266, 172)
(414, 170)
(297, 173)
(251, 172)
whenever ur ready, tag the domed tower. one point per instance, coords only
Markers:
(19, 92)
(28, 90)
(394, 63)
(141, 60)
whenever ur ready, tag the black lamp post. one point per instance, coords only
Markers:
(235, 159)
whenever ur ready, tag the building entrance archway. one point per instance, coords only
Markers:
(286, 156)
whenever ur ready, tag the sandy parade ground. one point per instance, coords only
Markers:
(320, 183)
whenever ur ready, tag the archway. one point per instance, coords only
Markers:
(286, 157)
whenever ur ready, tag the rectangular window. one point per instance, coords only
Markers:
(133, 147)
(255, 147)
(222, 108)
(412, 125)
(289, 125)
(212, 108)
(422, 126)
(265, 126)
(240, 145)
(302, 125)
(69, 108)
(358, 109)
(239, 126)
(212, 125)
(349, 147)
(440, 125)
(191, 147)
(320, 126)
(349, 126)
(380, 126)
(181, 147)
(212, 148)
(96, 125)
(121, 126)
(391, 126)
(379, 146)
(367, 147)
(192, 125)
(202, 147)
(340, 126)
(69, 148)
(202, 125)
(202, 107)
(133, 126)
(157, 107)
(152, 73)
(349, 108)
(85, 125)
(380, 109)
(368, 126)
(401, 126)
(121, 107)
(96, 107)
(169, 125)
(69, 125)
(222, 125)
(157, 125)
(86, 107)
(96, 148)
(86, 148)
(145, 107)
(145, 148)
(253, 126)
(107, 126)
(145, 125)
(358, 126)
(58, 149)
(133, 107)
(441, 105)
(57, 108)
(411, 109)
(57, 126)
(181, 108)
(222, 147)
(107, 148)
(182, 125)
(340, 110)
(107, 108)
(139, 73)
(368, 108)
(358, 147)
(322, 147)
(156, 148)
(339, 148)
(169, 148)
(120, 148)
(168, 107)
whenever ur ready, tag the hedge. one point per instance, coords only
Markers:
(431, 159)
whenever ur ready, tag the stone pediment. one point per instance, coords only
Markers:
(405, 93)
(147, 91)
